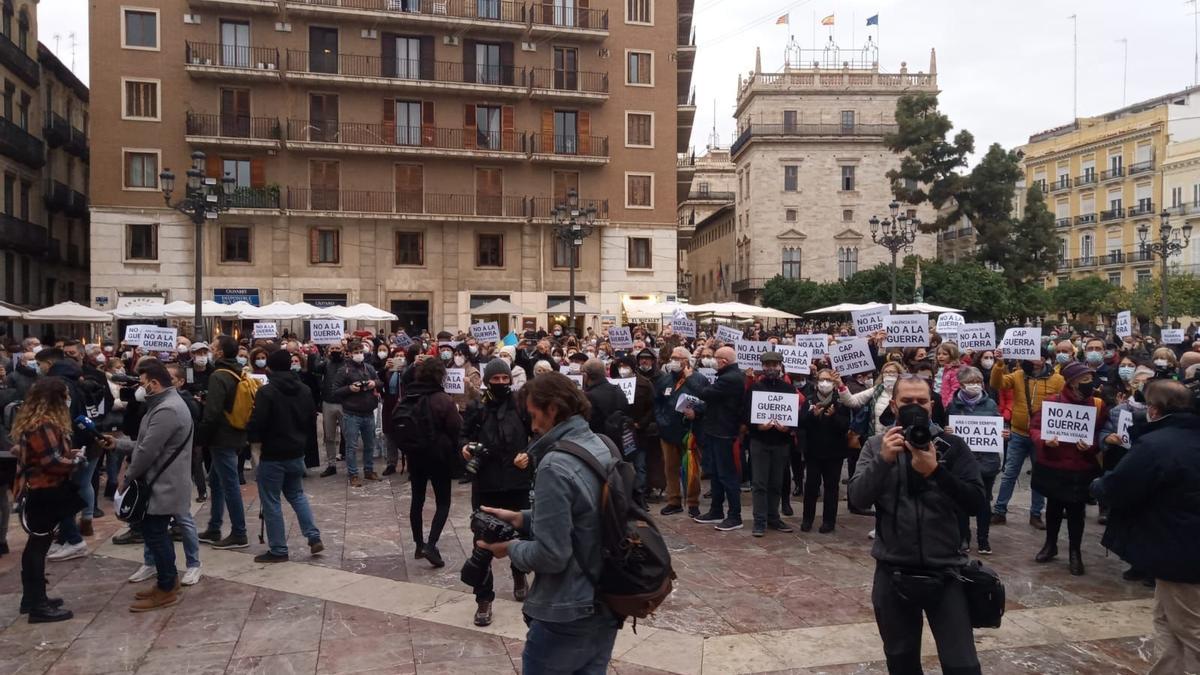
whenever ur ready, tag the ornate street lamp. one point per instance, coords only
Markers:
(1169, 243)
(895, 234)
(573, 225)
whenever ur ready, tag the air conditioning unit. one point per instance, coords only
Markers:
(191, 19)
(369, 34)
(529, 46)
(283, 27)
(450, 40)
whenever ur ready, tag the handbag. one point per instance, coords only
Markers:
(132, 502)
(985, 594)
(920, 587)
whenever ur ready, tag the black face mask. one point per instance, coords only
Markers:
(1027, 366)
(1085, 389)
(335, 356)
(500, 391)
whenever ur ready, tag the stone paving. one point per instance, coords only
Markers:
(783, 603)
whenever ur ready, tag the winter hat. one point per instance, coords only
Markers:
(495, 367)
(279, 361)
(1074, 371)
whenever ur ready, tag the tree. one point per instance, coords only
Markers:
(1030, 250)
(798, 296)
(1089, 295)
(990, 204)
(1145, 301)
(969, 286)
(929, 168)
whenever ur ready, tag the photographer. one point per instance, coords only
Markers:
(918, 479)
(356, 387)
(569, 630)
(494, 435)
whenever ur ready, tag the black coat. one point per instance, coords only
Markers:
(723, 403)
(825, 435)
(1153, 497)
(607, 400)
(502, 429)
(771, 436)
(283, 418)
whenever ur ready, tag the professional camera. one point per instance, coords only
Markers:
(479, 454)
(914, 419)
(363, 384)
(489, 529)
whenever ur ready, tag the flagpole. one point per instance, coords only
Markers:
(853, 44)
(1075, 68)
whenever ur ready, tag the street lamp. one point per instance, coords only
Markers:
(203, 200)
(573, 225)
(1168, 244)
(894, 233)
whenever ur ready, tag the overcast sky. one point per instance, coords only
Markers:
(1004, 66)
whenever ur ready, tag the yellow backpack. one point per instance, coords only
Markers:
(238, 414)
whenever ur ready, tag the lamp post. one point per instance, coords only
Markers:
(573, 225)
(894, 233)
(203, 199)
(1169, 243)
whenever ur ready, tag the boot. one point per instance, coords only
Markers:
(483, 614)
(519, 588)
(46, 612)
(1075, 563)
(1049, 552)
(157, 599)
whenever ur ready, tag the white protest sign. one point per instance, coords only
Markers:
(1124, 421)
(982, 434)
(949, 322)
(686, 402)
(1172, 336)
(266, 329)
(262, 379)
(326, 331)
(156, 339)
(1068, 423)
(627, 385)
(851, 356)
(817, 345)
(795, 359)
(133, 333)
(867, 321)
(906, 330)
(728, 335)
(455, 382)
(684, 327)
(709, 373)
(1022, 343)
(487, 331)
(576, 378)
(977, 336)
(1124, 327)
(749, 353)
(620, 338)
(766, 406)
(402, 340)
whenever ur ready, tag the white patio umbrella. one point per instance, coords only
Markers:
(8, 313)
(925, 308)
(564, 307)
(845, 307)
(68, 312)
(314, 312)
(361, 312)
(772, 313)
(276, 311)
(179, 308)
(498, 307)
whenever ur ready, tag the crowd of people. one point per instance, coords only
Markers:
(86, 420)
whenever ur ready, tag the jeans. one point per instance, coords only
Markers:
(583, 646)
(331, 420)
(191, 543)
(354, 428)
(900, 622)
(638, 460)
(726, 484)
(1019, 447)
(441, 493)
(158, 541)
(768, 462)
(983, 519)
(87, 491)
(286, 477)
(823, 475)
(513, 500)
(226, 493)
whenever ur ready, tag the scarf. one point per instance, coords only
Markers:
(969, 402)
(825, 399)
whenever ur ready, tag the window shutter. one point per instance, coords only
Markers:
(258, 173)
(584, 122)
(427, 57)
(469, 129)
(389, 121)
(468, 60)
(507, 136)
(506, 63)
(547, 131)
(581, 14)
(213, 166)
(337, 247)
(547, 10)
(313, 245)
(428, 135)
(389, 54)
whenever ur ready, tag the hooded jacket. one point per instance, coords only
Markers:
(498, 424)
(214, 430)
(284, 418)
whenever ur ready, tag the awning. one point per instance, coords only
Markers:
(361, 312)
(497, 308)
(68, 312)
(564, 307)
(7, 313)
(276, 311)
(925, 308)
(844, 307)
(129, 305)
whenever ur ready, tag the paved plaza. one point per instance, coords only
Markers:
(797, 603)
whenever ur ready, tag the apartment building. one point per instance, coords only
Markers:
(405, 153)
(704, 190)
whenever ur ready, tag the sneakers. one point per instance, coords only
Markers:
(708, 518)
(191, 576)
(370, 475)
(355, 481)
(758, 531)
(329, 471)
(671, 509)
(780, 526)
(729, 524)
(85, 527)
(54, 548)
(871, 534)
(520, 589)
(128, 537)
(269, 557)
(143, 573)
(483, 614)
(984, 548)
(315, 547)
(389, 469)
(999, 519)
(69, 552)
(693, 511)
(232, 541)
(157, 599)
(209, 536)
(1036, 523)
(434, 556)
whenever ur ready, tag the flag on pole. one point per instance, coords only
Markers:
(873, 20)
(782, 20)
(827, 21)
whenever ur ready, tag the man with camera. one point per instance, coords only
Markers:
(495, 433)
(355, 386)
(917, 479)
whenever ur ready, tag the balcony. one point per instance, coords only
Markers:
(1141, 167)
(686, 161)
(53, 251)
(22, 235)
(241, 131)
(57, 130)
(1140, 256)
(406, 206)
(406, 74)
(1142, 208)
(1062, 183)
(22, 65)
(78, 145)
(1112, 174)
(391, 139)
(1086, 219)
(709, 195)
(1113, 258)
(1084, 262)
(541, 209)
(56, 195)
(254, 198)
(1185, 209)
(1112, 214)
(455, 15)
(1088, 178)
(19, 144)
(270, 6)
(579, 23)
(566, 85)
(75, 257)
(78, 207)
(743, 285)
(1062, 222)
(783, 132)
(230, 62)
(569, 148)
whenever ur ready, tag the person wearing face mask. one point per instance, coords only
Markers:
(1166, 364)
(874, 402)
(258, 361)
(770, 448)
(1114, 447)
(826, 447)
(678, 431)
(473, 382)
(541, 352)
(243, 356)
(327, 370)
(356, 387)
(609, 407)
(394, 368)
(1064, 353)
(1063, 470)
(224, 444)
(23, 374)
(971, 400)
(200, 368)
(646, 424)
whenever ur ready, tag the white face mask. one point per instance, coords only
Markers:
(708, 362)
(260, 363)
(357, 358)
(1161, 363)
(474, 349)
(139, 394)
(625, 372)
(987, 363)
(182, 349)
(100, 358)
(200, 361)
(37, 348)
(973, 389)
(672, 367)
(242, 360)
(574, 367)
(381, 354)
(889, 381)
(824, 386)
(460, 360)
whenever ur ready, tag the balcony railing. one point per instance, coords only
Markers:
(1140, 256)
(687, 161)
(1112, 214)
(78, 145)
(570, 144)
(1144, 208)
(1085, 219)
(357, 65)
(1184, 209)
(1141, 167)
(233, 126)
(801, 130)
(22, 235)
(1085, 179)
(1118, 172)
(1113, 258)
(569, 80)
(231, 56)
(1062, 183)
(416, 203)
(1062, 222)
(1085, 261)
(713, 195)
(477, 10)
(416, 136)
(19, 144)
(543, 207)
(18, 61)
(747, 285)
(254, 198)
(78, 207)
(57, 130)
(56, 195)
(562, 16)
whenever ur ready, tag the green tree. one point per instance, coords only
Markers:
(1089, 295)
(799, 296)
(929, 168)
(1033, 250)
(981, 293)
(1145, 301)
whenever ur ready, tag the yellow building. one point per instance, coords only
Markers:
(1102, 177)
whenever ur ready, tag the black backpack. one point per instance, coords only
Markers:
(412, 428)
(635, 574)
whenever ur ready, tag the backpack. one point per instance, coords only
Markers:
(635, 573)
(238, 409)
(412, 430)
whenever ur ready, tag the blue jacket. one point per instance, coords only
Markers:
(672, 425)
(565, 517)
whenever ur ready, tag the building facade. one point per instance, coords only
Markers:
(1103, 177)
(404, 153)
(709, 188)
(811, 168)
(1181, 194)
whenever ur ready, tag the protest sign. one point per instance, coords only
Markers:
(627, 385)
(620, 338)
(795, 359)
(982, 434)
(1172, 336)
(1022, 343)
(867, 321)
(1124, 421)
(817, 345)
(577, 379)
(773, 405)
(262, 379)
(686, 402)
(906, 330)
(156, 339)
(327, 331)
(487, 331)
(455, 382)
(728, 335)
(266, 330)
(709, 373)
(949, 322)
(402, 340)
(1124, 327)
(133, 334)
(683, 326)
(852, 356)
(1068, 423)
(977, 336)
(749, 353)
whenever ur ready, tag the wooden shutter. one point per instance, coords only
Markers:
(547, 10)
(489, 192)
(389, 54)
(469, 127)
(584, 129)
(213, 166)
(564, 181)
(428, 130)
(389, 121)
(506, 63)
(468, 60)
(507, 135)
(581, 13)
(427, 57)
(258, 173)
(547, 131)
(409, 188)
(313, 245)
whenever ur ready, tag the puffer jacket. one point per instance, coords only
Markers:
(989, 462)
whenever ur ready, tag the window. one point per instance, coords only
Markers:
(235, 244)
(789, 215)
(141, 100)
(847, 262)
(791, 263)
(487, 9)
(566, 132)
(1114, 278)
(847, 121)
(1176, 196)
(789, 121)
(408, 122)
(141, 170)
(562, 253)
(324, 246)
(410, 248)
(1143, 277)
(23, 112)
(1062, 250)
(487, 127)
(487, 63)
(703, 188)
(639, 253)
(639, 11)
(1116, 164)
(847, 178)
(638, 68)
(639, 129)
(791, 178)
(566, 68)
(490, 250)
(141, 241)
(140, 29)
(25, 190)
(235, 44)
(239, 169)
(1087, 247)
(847, 215)
(10, 193)
(563, 182)
(564, 12)
(408, 58)
(639, 190)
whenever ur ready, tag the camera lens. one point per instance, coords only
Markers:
(917, 436)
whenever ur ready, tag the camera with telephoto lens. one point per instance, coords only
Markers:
(490, 530)
(914, 419)
(479, 454)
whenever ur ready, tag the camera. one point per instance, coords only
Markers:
(914, 419)
(479, 454)
(489, 529)
(363, 384)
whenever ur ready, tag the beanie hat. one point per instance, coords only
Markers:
(495, 367)
(279, 361)
(1074, 370)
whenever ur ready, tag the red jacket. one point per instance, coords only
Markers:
(1065, 456)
